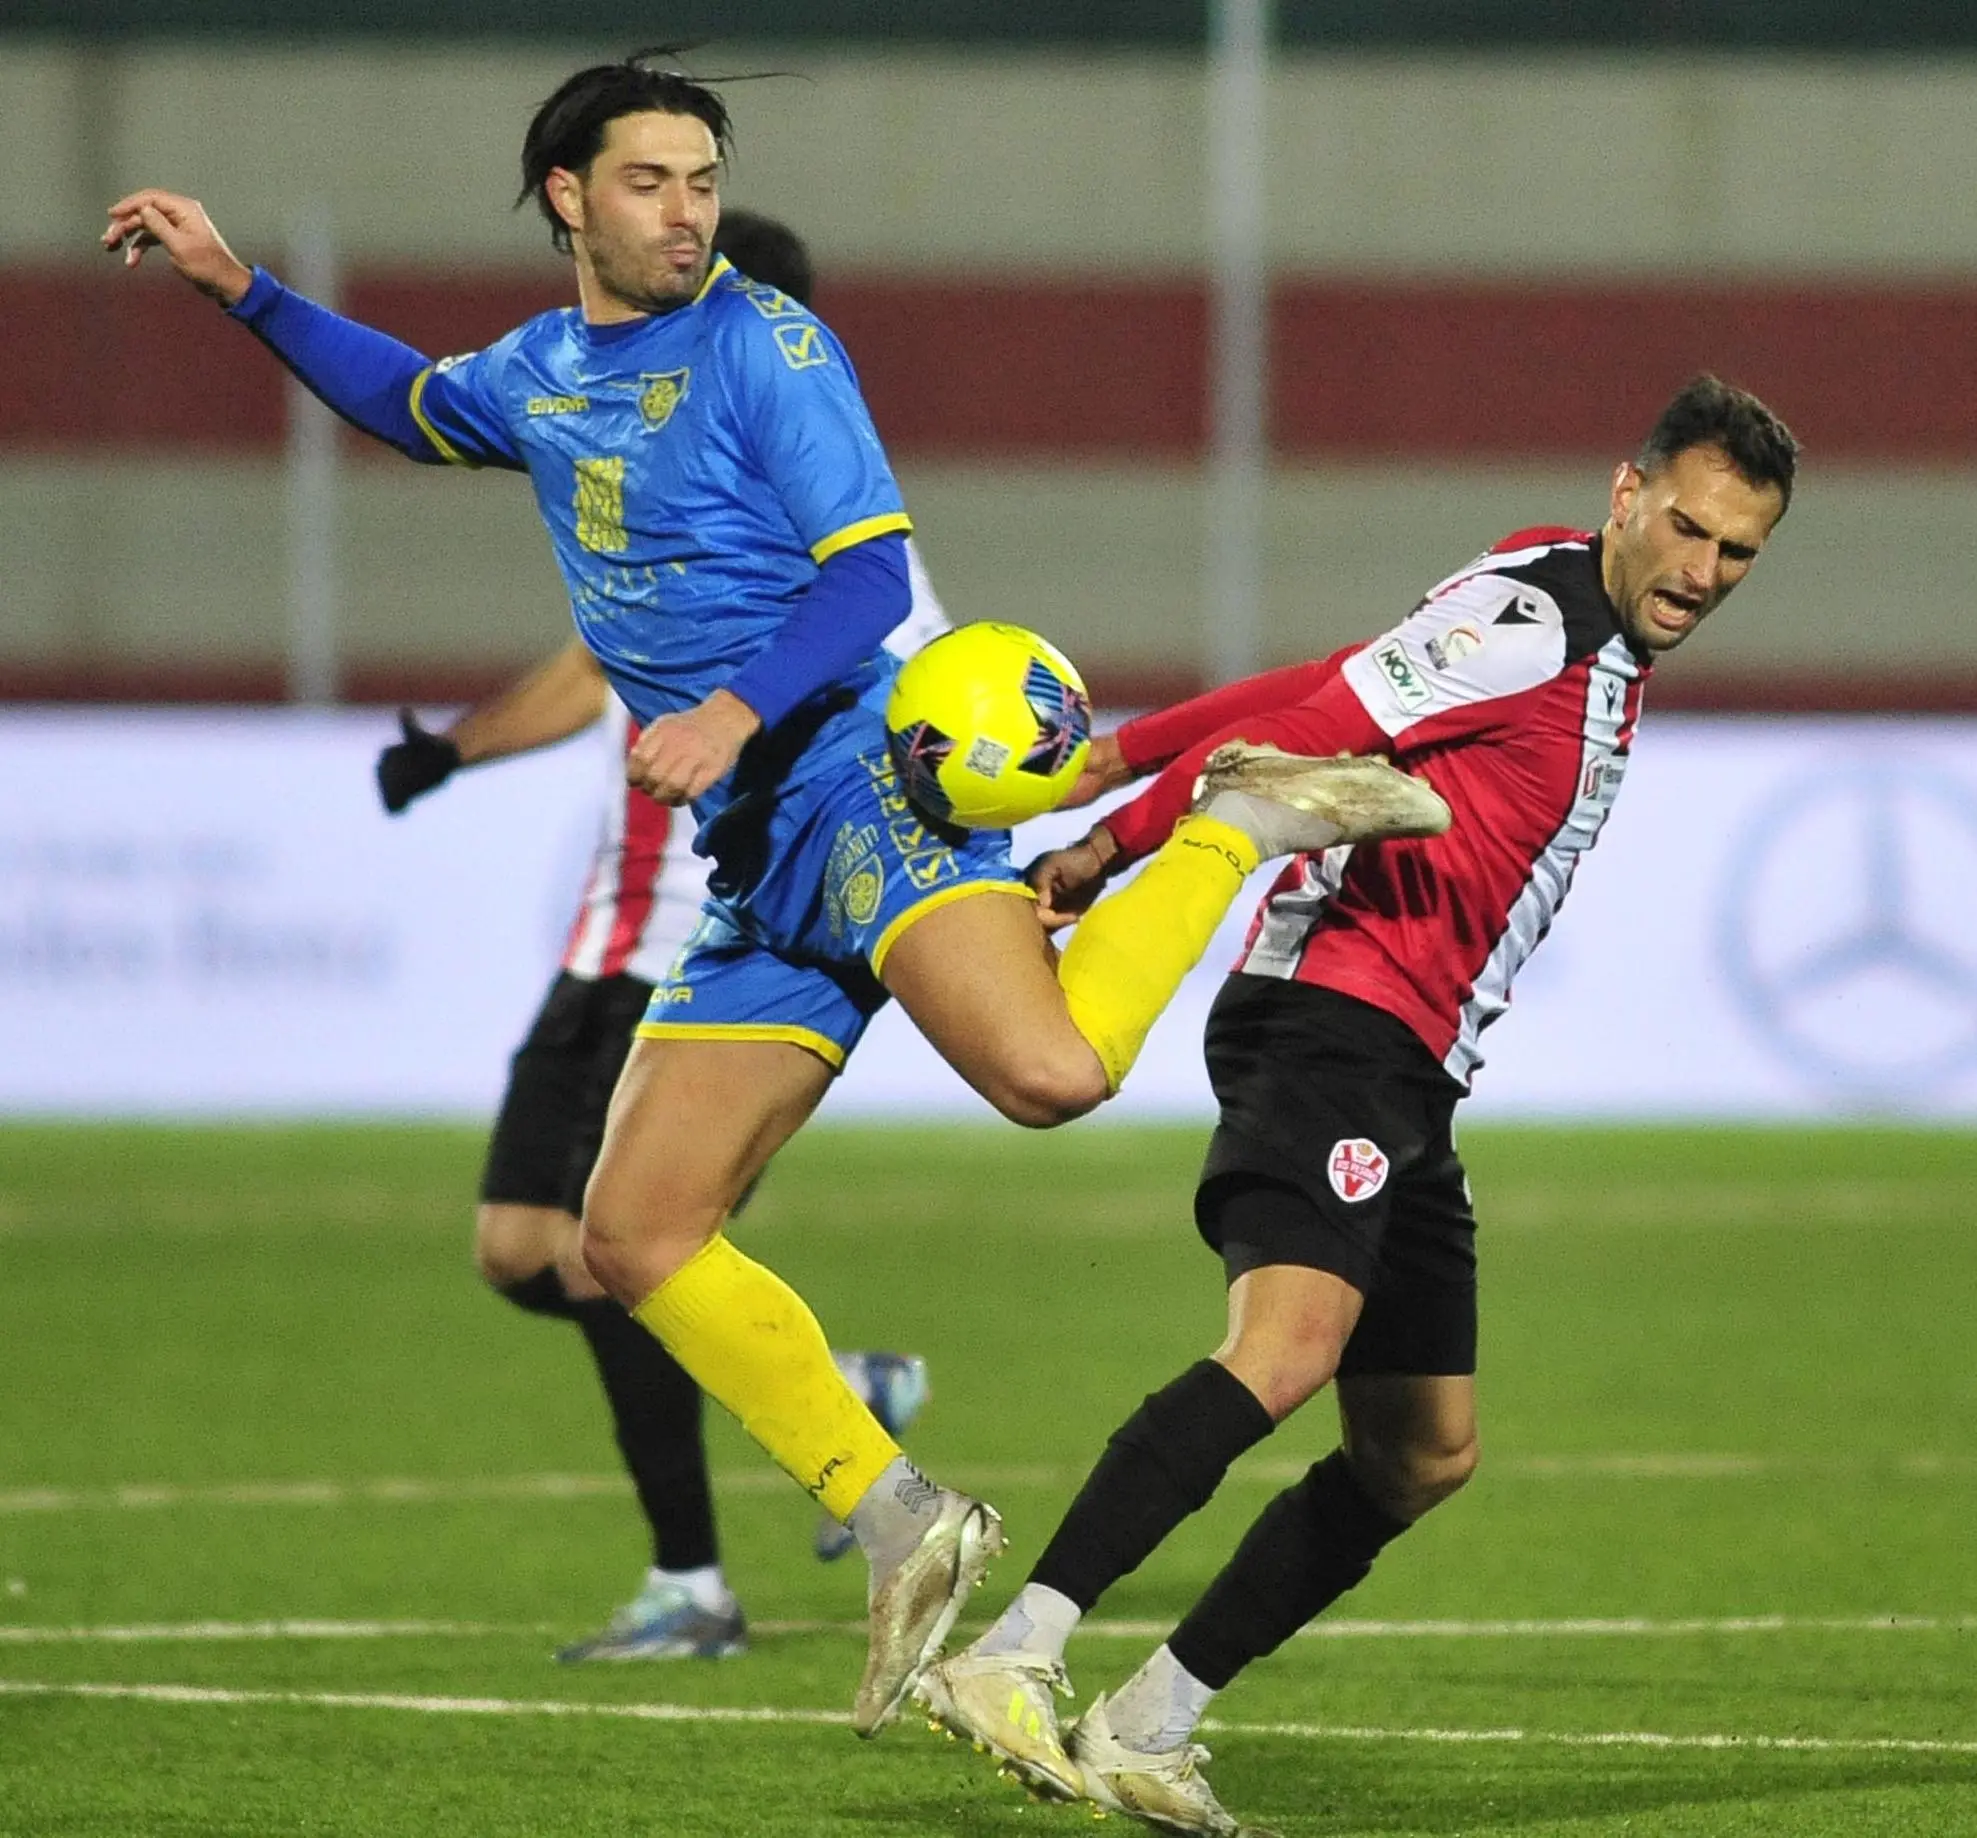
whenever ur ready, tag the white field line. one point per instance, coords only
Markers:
(698, 1713)
(173, 1631)
(407, 1491)
(1621, 1627)
(1625, 1627)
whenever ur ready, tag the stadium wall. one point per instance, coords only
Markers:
(1746, 23)
(1491, 267)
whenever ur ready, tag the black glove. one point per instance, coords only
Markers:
(419, 763)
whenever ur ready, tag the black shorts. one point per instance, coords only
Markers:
(1335, 1151)
(560, 1082)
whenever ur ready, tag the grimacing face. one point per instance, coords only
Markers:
(1679, 539)
(642, 215)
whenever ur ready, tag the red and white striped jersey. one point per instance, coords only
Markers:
(642, 896)
(643, 893)
(1513, 691)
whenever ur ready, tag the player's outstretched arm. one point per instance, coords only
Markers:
(368, 377)
(1149, 742)
(1105, 770)
(559, 697)
(1173, 741)
(1332, 719)
(154, 219)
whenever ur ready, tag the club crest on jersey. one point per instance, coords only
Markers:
(1458, 642)
(664, 391)
(854, 876)
(1357, 1169)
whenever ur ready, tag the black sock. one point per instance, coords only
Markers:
(655, 1409)
(1310, 1545)
(541, 1294)
(1162, 1464)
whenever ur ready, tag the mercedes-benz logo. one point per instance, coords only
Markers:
(1847, 926)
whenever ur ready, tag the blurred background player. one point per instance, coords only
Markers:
(642, 898)
(1338, 1050)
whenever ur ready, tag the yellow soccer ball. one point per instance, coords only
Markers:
(988, 725)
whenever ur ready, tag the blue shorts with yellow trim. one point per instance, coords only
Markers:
(840, 869)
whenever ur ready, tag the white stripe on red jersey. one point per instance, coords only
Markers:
(1512, 691)
(642, 897)
(643, 894)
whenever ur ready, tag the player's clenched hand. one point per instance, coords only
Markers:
(1067, 881)
(680, 756)
(411, 767)
(1105, 770)
(181, 228)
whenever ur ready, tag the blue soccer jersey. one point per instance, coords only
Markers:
(694, 470)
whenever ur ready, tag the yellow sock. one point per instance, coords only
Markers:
(751, 1344)
(1132, 949)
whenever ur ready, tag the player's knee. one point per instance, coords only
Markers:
(500, 1270)
(1439, 1474)
(1041, 1090)
(1411, 1478)
(512, 1244)
(632, 1244)
(1286, 1349)
(1285, 1379)
(621, 1263)
(614, 1253)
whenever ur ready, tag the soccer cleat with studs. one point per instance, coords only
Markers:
(1007, 1703)
(1166, 1790)
(1350, 797)
(664, 1622)
(915, 1604)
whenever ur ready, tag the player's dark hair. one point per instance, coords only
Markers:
(1708, 412)
(767, 251)
(568, 129)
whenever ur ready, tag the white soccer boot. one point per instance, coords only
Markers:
(1006, 1703)
(917, 1601)
(1166, 1790)
(1313, 803)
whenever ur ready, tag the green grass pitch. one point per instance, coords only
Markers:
(1717, 1574)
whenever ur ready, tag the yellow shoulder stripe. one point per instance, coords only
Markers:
(445, 448)
(854, 533)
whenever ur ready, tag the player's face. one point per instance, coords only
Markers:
(646, 210)
(1680, 538)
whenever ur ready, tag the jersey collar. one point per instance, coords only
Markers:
(631, 328)
(719, 266)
